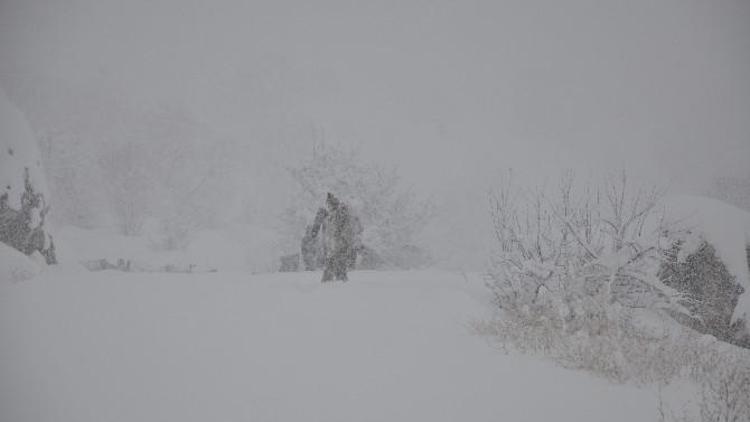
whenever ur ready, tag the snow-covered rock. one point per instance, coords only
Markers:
(725, 227)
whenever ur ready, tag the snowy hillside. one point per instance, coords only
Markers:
(114, 346)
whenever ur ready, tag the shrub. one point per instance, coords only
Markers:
(393, 217)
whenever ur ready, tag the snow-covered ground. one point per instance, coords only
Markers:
(114, 346)
(240, 248)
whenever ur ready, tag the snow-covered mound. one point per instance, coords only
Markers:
(23, 190)
(726, 227)
(18, 151)
(113, 346)
(15, 266)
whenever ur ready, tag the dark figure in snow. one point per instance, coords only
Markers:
(341, 230)
(313, 251)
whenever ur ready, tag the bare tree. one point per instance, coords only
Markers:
(392, 216)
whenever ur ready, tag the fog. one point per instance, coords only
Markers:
(452, 93)
(396, 210)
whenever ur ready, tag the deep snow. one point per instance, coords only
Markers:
(112, 346)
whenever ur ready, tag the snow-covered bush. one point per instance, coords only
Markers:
(23, 198)
(577, 277)
(720, 377)
(725, 388)
(625, 352)
(578, 258)
(393, 217)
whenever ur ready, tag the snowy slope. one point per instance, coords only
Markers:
(113, 346)
(726, 227)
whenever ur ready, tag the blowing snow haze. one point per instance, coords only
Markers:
(452, 93)
(398, 210)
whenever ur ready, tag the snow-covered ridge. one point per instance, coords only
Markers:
(726, 227)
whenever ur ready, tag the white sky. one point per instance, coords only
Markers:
(452, 92)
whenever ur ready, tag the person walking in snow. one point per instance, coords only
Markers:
(312, 248)
(340, 232)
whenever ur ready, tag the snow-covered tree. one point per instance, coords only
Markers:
(131, 188)
(151, 166)
(23, 199)
(393, 217)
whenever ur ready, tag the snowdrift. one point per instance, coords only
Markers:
(15, 266)
(386, 346)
